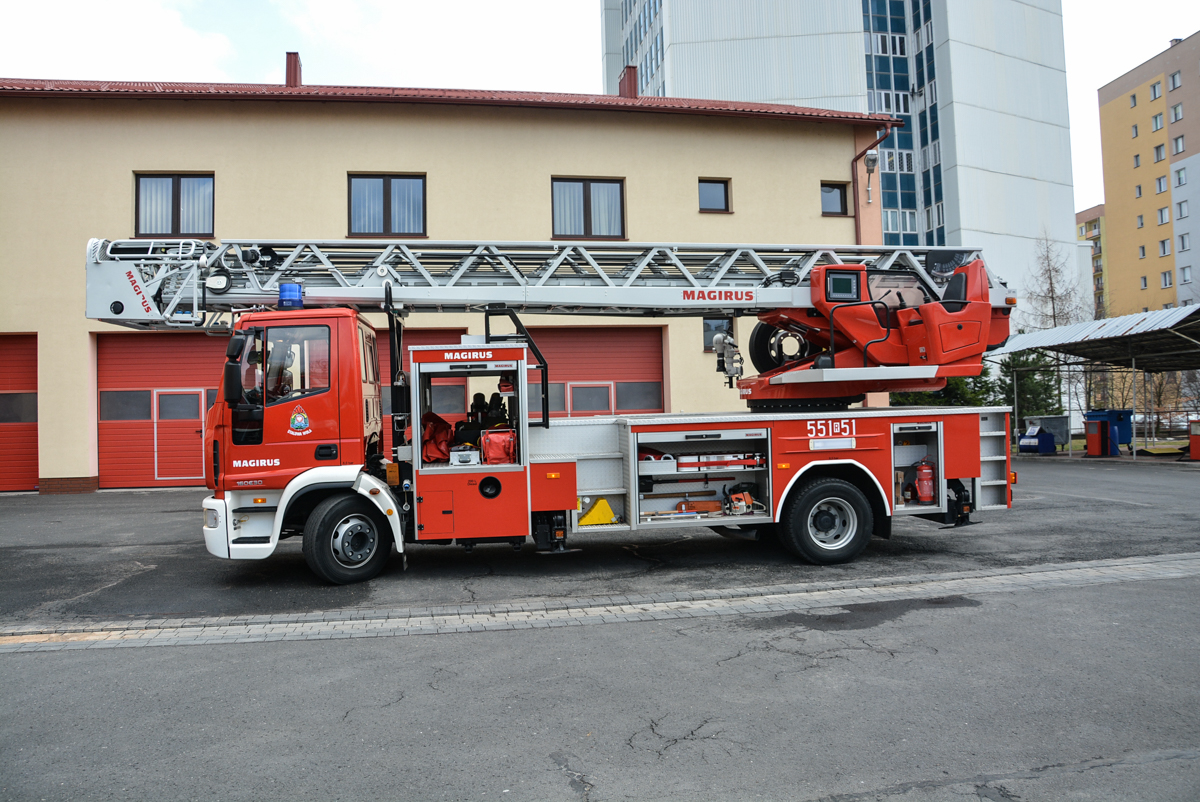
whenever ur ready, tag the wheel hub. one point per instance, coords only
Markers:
(354, 541)
(832, 523)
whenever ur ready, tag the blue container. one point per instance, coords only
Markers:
(1040, 443)
(1120, 424)
(291, 296)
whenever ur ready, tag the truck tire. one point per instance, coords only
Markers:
(762, 356)
(345, 540)
(827, 521)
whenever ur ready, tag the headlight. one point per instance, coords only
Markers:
(211, 519)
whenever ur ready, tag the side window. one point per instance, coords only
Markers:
(387, 205)
(833, 199)
(174, 205)
(712, 325)
(125, 405)
(297, 362)
(588, 208)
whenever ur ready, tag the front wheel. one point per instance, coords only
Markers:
(827, 521)
(345, 541)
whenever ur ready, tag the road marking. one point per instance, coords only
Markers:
(585, 612)
(1096, 499)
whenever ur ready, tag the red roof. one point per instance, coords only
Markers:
(26, 87)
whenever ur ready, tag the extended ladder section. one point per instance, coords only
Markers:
(836, 321)
(196, 284)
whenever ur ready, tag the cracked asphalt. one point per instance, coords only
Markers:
(1036, 694)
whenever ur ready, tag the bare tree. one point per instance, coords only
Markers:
(1189, 390)
(1052, 289)
(1055, 297)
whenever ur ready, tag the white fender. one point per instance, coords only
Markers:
(357, 481)
(379, 494)
(783, 498)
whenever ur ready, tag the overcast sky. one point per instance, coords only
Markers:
(482, 44)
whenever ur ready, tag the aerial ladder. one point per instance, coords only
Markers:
(836, 322)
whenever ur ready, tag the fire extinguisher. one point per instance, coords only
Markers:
(925, 477)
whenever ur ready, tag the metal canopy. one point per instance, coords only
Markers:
(1155, 342)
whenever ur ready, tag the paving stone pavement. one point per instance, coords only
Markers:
(359, 623)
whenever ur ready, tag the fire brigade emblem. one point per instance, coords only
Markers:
(299, 422)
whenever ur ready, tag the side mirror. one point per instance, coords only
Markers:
(237, 344)
(233, 381)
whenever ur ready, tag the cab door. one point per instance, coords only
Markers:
(301, 401)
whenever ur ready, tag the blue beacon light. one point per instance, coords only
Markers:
(291, 296)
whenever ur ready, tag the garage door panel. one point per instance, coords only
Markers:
(180, 450)
(126, 453)
(18, 456)
(626, 359)
(18, 412)
(143, 374)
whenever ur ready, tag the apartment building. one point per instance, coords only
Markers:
(1091, 231)
(86, 405)
(1150, 137)
(983, 157)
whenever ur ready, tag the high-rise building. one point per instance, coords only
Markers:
(1091, 231)
(984, 156)
(1150, 136)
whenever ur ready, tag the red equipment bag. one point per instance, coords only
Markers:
(499, 446)
(435, 438)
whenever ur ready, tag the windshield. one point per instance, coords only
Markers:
(897, 289)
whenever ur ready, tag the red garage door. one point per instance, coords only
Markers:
(18, 412)
(452, 401)
(154, 392)
(600, 371)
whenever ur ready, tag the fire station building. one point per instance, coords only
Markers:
(86, 405)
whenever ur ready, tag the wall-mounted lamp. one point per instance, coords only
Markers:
(870, 161)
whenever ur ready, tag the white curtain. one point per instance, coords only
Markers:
(154, 204)
(408, 206)
(366, 206)
(568, 208)
(196, 205)
(606, 210)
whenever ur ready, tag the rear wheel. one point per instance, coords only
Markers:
(345, 541)
(827, 521)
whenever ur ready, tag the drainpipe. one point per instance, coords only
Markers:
(887, 130)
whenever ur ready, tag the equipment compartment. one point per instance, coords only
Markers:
(912, 445)
(700, 478)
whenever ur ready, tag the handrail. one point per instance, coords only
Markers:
(887, 325)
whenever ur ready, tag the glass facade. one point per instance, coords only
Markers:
(901, 81)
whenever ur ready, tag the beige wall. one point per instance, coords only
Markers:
(67, 172)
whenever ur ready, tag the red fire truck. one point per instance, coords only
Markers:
(294, 444)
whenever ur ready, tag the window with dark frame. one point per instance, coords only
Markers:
(714, 195)
(173, 205)
(386, 205)
(833, 199)
(712, 325)
(588, 208)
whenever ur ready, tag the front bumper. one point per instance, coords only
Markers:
(238, 536)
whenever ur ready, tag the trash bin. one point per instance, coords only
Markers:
(1058, 426)
(1194, 440)
(1036, 441)
(1099, 441)
(1120, 430)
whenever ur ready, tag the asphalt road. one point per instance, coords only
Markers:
(138, 554)
(1085, 692)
